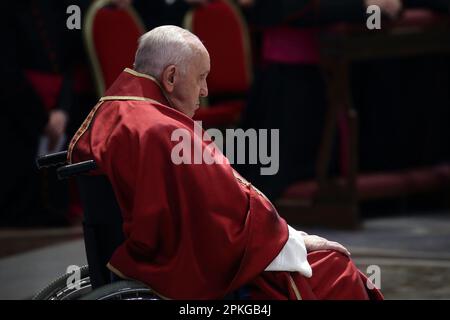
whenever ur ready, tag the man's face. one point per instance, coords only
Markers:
(191, 84)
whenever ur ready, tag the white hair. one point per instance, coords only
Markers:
(164, 46)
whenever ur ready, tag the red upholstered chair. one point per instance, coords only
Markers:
(110, 35)
(223, 31)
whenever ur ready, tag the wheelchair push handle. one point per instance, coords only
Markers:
(75, 169)
(52, 160)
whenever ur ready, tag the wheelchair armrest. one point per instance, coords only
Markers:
(51, 160)
(75, 169)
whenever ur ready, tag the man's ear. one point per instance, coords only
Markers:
(168, 78)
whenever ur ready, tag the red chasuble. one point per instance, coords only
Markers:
(193, 231)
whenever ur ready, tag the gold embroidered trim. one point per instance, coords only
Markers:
(146, 76)
(294, 287)
(132, 98)
(88, 120)
(85, 125)
(121, 275)
(247, 184)
(142, 75)
(242, 181)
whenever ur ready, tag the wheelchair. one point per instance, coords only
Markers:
(102, 232)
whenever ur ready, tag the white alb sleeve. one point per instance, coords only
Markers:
(293, 256)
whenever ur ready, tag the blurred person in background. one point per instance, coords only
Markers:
(394, 97)
(47, 94)
(403, 105)
(289, 91)
(41, 94)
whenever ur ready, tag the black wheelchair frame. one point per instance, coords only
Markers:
(102, 231)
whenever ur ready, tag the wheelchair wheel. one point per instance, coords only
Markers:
(122, 290)
(60, 290)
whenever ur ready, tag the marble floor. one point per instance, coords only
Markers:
(411, 252)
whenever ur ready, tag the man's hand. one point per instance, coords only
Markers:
(390, 7)
(314, 243)
(55, 127)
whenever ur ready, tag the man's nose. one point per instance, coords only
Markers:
(204, 91)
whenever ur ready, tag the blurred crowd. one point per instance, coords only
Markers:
(47, 91)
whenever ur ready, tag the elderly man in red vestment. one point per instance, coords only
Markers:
(196, 231)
